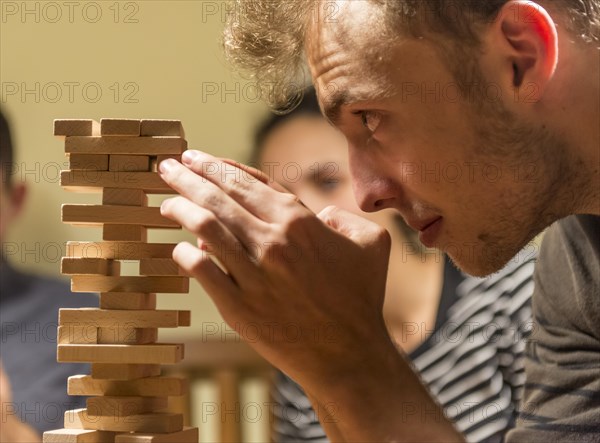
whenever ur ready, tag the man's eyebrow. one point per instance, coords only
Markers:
(333, 105)
(334, 102)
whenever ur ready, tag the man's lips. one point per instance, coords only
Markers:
(422, 225)
(429, 229)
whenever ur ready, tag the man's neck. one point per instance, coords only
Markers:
(577, 116)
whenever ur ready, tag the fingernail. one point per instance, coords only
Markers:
(188, 157)
(166, 165)
(164, 205)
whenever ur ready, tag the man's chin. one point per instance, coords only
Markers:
(479, 260)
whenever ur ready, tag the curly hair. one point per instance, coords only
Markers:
(265, 38)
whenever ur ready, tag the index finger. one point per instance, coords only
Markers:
(258, 174)
(266, 201)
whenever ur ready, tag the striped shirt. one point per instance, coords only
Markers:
(473, 362)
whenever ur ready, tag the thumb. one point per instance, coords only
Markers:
(358, 229)
(373, 242)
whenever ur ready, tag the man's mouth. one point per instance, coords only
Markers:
(429, 229)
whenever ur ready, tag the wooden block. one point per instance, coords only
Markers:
(160, 267)
(188, 435)
(125, 233)
(124, 406)
(77, 334)
(123, 215)
(127, 300)
(125, 145)
(95, 181)
(172, 128)
(100, 283)
(105, 318)
(154, 422)
(78, 436)
(124, 197)
(120, 126)
(76, 127)
(143, 387)
(184, 318)
(155, 161)
(115, 250)
(127, 335)
(156, 354)
(123, 372)
(132, 163)
(95, 266)
(92, 162)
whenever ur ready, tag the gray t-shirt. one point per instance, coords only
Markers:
(28, 315)
(562, 389)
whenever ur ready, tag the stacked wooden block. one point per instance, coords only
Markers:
(119, 158)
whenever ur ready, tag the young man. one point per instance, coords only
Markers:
(439, 317)
(516, 119)
(33, 386)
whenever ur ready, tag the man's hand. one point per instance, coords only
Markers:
(12, 430)
(306, 291)
(303, 290)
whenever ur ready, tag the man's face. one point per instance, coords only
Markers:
(465, 174)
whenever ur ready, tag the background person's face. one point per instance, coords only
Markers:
(4, 210)
(11, 204)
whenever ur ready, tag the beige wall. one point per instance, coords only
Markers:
(148, 59)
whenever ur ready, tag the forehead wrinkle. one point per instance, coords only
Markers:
(344, 38)
(347, 59)
(341, 80)
(333, 102)
(330, 69)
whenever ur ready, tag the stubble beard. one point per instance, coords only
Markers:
(521, 205)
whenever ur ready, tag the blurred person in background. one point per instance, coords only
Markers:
(33, 385)
(465, 335)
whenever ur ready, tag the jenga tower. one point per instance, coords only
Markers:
(118, 157)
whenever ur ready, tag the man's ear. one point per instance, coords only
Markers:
(525, 35)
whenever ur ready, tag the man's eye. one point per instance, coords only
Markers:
(370, 119)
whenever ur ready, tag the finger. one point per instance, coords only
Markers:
(216, 238)
(198, 264)
(358, 229)
(258, 174)
(242, 223)
(253, 194)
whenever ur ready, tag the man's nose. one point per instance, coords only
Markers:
(373, 189)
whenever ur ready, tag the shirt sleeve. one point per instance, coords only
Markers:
(561, 399)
